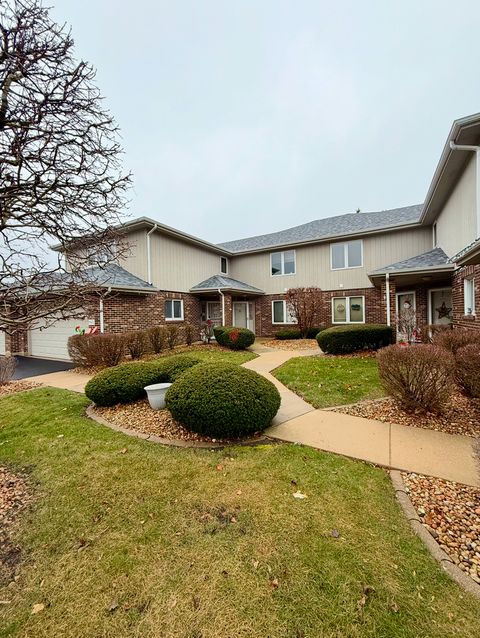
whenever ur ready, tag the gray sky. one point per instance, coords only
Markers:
(245, 117)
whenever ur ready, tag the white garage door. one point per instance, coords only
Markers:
(51, 342)
(2, 342)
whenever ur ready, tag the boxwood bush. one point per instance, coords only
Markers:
(234, 338)
(345, 339)
(223, 400)
(126, 382)
(295, 333)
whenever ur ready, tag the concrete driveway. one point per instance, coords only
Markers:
(34, 367)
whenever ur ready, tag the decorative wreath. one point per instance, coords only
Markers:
(341, 308)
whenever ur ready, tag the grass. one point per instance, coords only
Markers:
(211, 352)
(328, 381)
(156, 542)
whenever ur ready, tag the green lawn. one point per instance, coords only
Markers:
(213, 352)
(150, 541)
(328, 381)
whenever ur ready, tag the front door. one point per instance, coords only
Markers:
(214, 312)
(406, 316)
(440, 309)
(240, 314)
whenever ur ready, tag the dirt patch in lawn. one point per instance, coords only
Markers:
(462, 415)
(17, 386)
(140, 417)
(292, 344)
(14, 496)
(451, 513)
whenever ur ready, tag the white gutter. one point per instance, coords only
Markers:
(223, 306)
(387, 294)
(476, 150)
(149, 258)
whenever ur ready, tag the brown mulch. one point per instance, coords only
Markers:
(14, 496)
(292, 344)
(17, 386)
(451, 513)
(139, 416)
(462, 415)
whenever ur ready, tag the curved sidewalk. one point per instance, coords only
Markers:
(400, 447)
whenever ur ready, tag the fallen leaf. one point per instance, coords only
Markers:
(124, 450)
(394, 607)
(239, 492)
(37, 608)
(293, 483)
(219, 467)
(274, 583)
(255, 564)
(299, 495)
(113, 605)
(335, 533)
(172, 603)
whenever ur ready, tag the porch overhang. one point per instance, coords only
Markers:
(224, 284)
(469, 256)
(412, 276)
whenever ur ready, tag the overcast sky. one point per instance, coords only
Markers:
(249, 116)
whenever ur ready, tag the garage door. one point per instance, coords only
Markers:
(2, 342)
(51, 342)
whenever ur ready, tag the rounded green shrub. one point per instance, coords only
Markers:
(345, 339)
(126, 382)
(288, 333)
(223, 400)
(233, 337)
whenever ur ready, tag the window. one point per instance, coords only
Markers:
(283, 263)
(348, 254)
(281, 312)
(174, 309)
(223, 265)
(348, 309)
(98, 255)
(469, 296)
(434, 234)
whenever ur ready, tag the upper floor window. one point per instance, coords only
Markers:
(434, 234)
(348, 310)
(469, 296)
(348, 254)
(223, 265)
(174, 309)
(283, 263)
(281, 312)
(100, 254)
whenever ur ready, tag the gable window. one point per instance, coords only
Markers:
(283, 263)
(348, 310)
(281, 312)
(434, 234)
(469, 296)
(223, 265)
(174, 309)
(348, 254)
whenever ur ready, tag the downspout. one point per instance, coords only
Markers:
(102, 321)
(476, 150)
(387, 294)
(149, 259)
(223, 306)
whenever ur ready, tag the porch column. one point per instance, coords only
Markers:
(228, 318)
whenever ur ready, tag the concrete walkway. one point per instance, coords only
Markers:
(400, 447)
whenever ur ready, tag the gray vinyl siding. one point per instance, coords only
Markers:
(134, 256)
(313, 263)
(457, 222)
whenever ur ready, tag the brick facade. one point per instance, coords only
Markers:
(460, 319)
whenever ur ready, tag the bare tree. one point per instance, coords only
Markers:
(305, 305)
(60, 174)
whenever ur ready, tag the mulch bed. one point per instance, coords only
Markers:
(17, 386)
(140, 417)
(292, 344)
(462, 415)
(14, 496)
(451, 513)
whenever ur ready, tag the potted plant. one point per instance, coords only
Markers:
(156, 395)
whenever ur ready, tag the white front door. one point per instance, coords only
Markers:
(440, 306)
(240, 314)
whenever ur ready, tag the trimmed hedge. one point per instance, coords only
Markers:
(345, 339)
(453, 340)
(295, 333)
(223, 400)
(467, 369)
(96, 350)
(126, 382)
(234, 338)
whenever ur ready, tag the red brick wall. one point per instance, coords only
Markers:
(460, 320)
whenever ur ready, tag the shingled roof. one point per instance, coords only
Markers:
(432, 259)
(225, 283)
(339, 226)
(117, 277)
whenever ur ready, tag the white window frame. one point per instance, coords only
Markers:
(471, 281)
(347, 308)
(282, 273)
(285, 315)
(345, 254)
(173, 318)
(226, 265)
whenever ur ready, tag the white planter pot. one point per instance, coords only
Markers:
(156, 395)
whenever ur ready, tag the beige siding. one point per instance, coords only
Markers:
(457, 223)
(134, 259)
(313, 263)
(178, 266)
